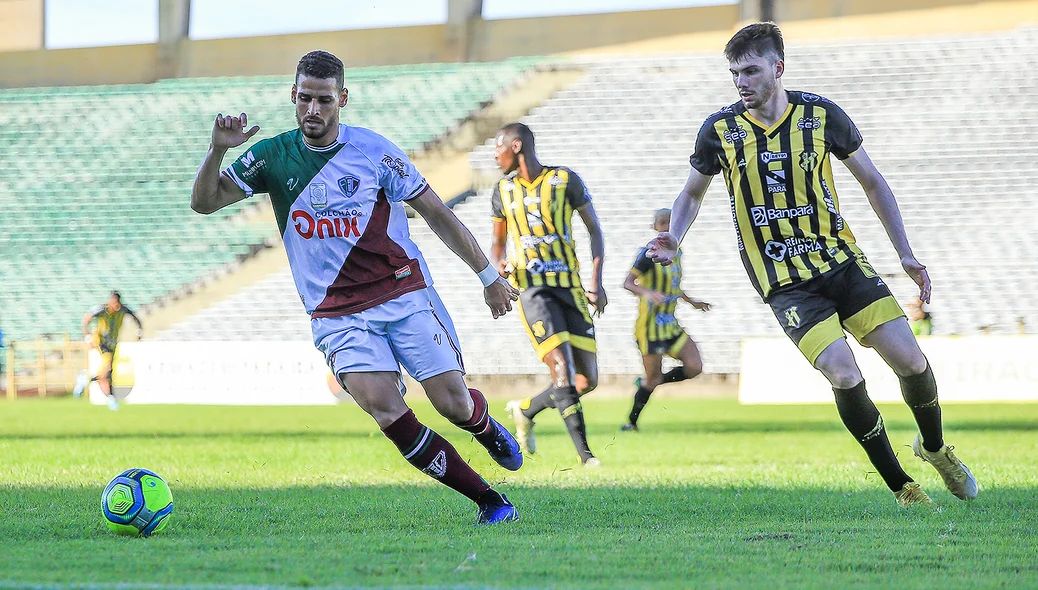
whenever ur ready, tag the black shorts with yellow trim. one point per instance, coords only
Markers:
(668, 346)
(553, 315)
(851, 297)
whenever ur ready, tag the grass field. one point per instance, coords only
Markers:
(709, 494)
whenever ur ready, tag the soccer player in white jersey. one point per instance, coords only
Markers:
(337, 192)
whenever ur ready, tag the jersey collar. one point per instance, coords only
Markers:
(769, 130)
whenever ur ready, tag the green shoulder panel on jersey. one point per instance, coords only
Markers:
(282, 167)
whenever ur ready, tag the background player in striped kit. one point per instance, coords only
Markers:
(773, 147)
(533, 206)
(656, 330)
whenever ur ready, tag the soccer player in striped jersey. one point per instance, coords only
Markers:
(656, 330)
(337, 192)
(773, 148)
(105, 338)
(532, 207)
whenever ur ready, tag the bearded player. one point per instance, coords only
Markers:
(774, 148)
(337, 192)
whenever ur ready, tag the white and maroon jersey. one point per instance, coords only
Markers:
(341, 216)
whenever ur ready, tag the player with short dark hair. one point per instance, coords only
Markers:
(656, 330)
(774, 147)
(105, 338)
(337, 192)
(532, 207)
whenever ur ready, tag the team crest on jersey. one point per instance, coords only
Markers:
(808, 160)
(318, 195)
(349, 184)
(555, 181)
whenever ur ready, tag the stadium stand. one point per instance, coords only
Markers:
(933, 114)
(96, 180)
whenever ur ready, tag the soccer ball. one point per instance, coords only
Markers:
(137, 502)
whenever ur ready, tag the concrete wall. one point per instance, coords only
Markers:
(21, 25)
(488, 40)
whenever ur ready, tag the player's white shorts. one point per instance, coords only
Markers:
(413, 330)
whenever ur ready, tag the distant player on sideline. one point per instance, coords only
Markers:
(337, 192)
(533, 207)
(656, 330)
(105, 337)
(773, 147)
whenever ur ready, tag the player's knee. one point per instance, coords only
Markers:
(912, 364)
(653, 381)
(587, 382)
(693, 367)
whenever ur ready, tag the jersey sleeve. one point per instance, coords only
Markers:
(707, 157)
(397, 174)
(642, 263)
(841, 134)
(249, 170)
(497, 208)
(100, 309)
(576, 191)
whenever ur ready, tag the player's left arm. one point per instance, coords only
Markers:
(596, 294)
(499, 294)
(883, 203)
(140, 326)
(700, 305)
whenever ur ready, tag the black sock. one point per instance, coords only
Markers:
(538, 403)
(674, 375)
(568, 403)
(862, 419)
(641, 397)
(920, 393)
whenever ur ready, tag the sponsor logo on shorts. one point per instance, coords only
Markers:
(762, 215)
(538, 329)
(792, 317)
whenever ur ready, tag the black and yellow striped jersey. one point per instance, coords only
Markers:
(109, 324)
(658, 322)
(539, 217)
(783, 199)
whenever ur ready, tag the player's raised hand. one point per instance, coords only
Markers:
(663, 248)
(597, 298)
(499, 296)
(917, 271)
(229, 132)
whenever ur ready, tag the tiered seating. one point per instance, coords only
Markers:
(96, 181)
(934, 117)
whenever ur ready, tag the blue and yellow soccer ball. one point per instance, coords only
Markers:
(137, 502)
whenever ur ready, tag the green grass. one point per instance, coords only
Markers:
(709, 494)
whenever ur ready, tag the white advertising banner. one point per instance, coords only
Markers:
(219, 373)
(967, 369)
